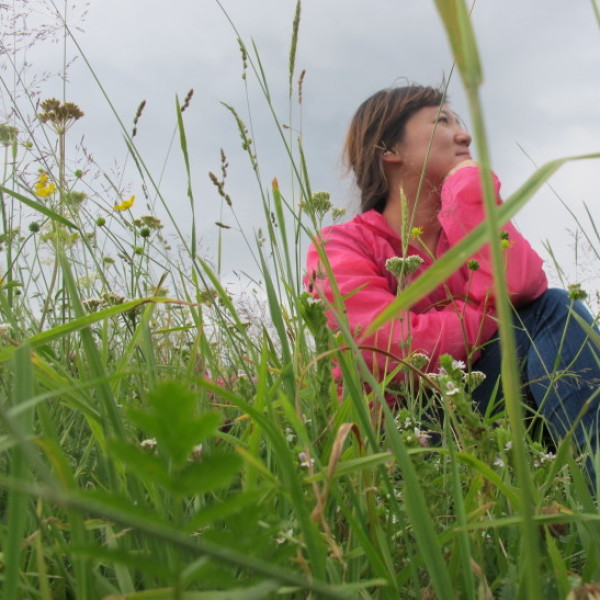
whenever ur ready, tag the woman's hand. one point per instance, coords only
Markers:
(469, 162)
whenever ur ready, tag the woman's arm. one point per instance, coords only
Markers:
(462, 210)
(457, 329)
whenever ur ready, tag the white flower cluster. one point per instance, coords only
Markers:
(543, 457)
(399, 266)
(305, 460)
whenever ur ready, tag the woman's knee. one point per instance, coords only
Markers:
(556, 297)
(558, 301)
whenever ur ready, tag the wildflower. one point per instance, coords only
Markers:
(451, 389)
(92, 304)
(473, 265)
(125, 205)
(459, 364)
(505, 241)
(337, 213)
(575, 292)
(313, 300)
(8, 135)
(34, 227)
(149, 221)
(284, 536)
(150, 443)
(100, 221)
(418, 360)
(422, 437)
(74, 198)
(113, 298)
(60, 115)
(544, 457)
(424, 440)
(435, 378)
(474, 378)
(416, 232)
(305, 460)
(87, 280)
(44, 187)
(403, 266)
(319, 204)
(145, 232)
(499, 462)
(508, 446)
(196, 453)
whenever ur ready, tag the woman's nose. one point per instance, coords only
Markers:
(463, 136)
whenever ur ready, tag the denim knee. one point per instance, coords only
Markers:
(556, 302)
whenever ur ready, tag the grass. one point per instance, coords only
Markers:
(161, 439)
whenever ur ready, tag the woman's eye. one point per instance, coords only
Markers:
(442, 119)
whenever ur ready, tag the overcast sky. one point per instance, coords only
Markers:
(541, 62)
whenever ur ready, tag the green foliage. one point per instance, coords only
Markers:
(162, 440)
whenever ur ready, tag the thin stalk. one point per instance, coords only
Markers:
(509, 366)
(596, 11)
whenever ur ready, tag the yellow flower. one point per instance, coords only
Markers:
(125, 204)
(415, 232)
(44, 187)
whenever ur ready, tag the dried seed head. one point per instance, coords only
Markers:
(300, 84)
(244, 57)
(186, 100)
(60, 115)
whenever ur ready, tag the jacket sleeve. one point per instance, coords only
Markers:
(456, 328)
(462, 210)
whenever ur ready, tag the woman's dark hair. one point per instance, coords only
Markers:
(377, 126)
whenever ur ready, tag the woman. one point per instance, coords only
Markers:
(420, 195)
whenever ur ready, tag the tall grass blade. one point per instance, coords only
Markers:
(186, 160)
(39, 207)
(18, 506)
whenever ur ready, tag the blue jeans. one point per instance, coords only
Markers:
(559, 366)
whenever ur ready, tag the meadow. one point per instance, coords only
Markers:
(161, 439)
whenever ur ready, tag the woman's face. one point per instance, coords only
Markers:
(434, 141)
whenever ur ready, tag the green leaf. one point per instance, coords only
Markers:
(139, 461)
(173, 421)
(208, 474)
(221, 510)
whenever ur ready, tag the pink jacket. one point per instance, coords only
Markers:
(455, 318)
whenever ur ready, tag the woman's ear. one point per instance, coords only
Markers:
(392, 157)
